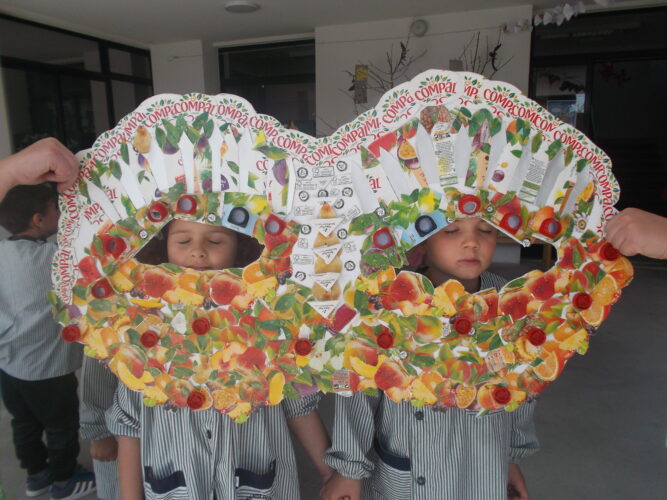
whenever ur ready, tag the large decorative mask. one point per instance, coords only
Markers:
(324, 307)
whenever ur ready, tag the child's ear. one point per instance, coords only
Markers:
(36, 221)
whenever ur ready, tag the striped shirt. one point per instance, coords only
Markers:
(198, 454)
(403, 452)
(30, 344)
(98, 386)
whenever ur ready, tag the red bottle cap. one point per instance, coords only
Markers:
(469, 204)
(582, 301)
(501, 395)
(70, 333)
(609, 252)
(274, 225)
(115, 246)
(201, 326)
(383, 239)
(550, 228)
(101, 289)
(385, 340)
(303, 347)
(536, 336)
(148, 339)
(511, 222)
(157, 212)
(187, 204)
(462, 326)
(196, 400)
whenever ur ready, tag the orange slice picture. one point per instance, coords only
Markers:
(548, 369)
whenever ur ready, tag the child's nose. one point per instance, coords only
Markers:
(471, 241)
(197, 252)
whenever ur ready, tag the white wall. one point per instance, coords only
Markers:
(183, 67)
(340, 48)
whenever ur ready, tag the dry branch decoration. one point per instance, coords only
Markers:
(382, 78)
(485, 62)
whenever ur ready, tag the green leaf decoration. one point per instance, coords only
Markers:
(375, 260)
(554, 148)
(172, 267)
(517, 283)
(173, 133)
(160, 137)
(285, 302)
(208, 129)
(202, 119)
(114, 168)
(190, 346)
(279, 250)
(536, 143)
(124, 153)
(192, 134)
(495, 343)
(423, 361)
(101, 305)
(233, 167)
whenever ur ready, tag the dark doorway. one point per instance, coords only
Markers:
(606, 74)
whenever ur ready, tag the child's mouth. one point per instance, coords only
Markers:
(469, 262)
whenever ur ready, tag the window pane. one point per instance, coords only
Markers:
(31, 105)
(129, 63)
(289, 61)
(82, 100)
(277, 80)
(127, 96)
(32, 43)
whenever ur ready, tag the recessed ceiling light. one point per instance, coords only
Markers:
(241, 6)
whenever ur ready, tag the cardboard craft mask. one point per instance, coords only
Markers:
(324, 308)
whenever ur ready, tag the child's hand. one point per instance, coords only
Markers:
(104, 450)
(341, 488)
(516, 484)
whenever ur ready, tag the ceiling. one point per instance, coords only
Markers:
(145, 22)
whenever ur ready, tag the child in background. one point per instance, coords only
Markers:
(98, 386)
(37, 368)
(383, 449)
(196, 455)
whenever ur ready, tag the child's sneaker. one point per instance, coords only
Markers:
(79, 485)
(38, 484)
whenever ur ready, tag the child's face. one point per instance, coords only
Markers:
(200, 246)
(463, 249)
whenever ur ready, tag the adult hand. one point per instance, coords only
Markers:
(47, 160)
(634, 231)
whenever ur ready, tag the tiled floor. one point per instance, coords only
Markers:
(602, 425)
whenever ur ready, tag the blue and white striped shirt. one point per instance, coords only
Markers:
(98, 385)
(195, 454)
(30, 343)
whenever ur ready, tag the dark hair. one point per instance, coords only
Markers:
(155, 251)
(22, 202)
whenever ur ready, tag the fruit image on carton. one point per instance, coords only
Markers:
(325, 307)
